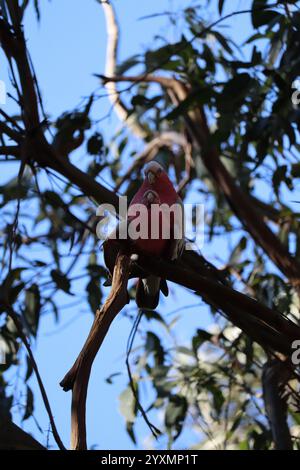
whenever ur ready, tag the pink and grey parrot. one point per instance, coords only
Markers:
(157, 189)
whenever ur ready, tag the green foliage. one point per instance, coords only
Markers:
(175, 415)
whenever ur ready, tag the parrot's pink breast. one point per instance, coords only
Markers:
(167, 195)
(152, 241)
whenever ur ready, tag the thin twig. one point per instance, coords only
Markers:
(24, 339)
(154, 430)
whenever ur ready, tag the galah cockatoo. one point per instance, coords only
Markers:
(164, 233)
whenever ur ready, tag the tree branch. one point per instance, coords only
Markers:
(18, 50)
(120, 108)
(14, 135)
(10, 150)
(237, 306)
(275, 376)
(78, 376)
(14, 438)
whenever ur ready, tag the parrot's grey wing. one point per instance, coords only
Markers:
(111, 249)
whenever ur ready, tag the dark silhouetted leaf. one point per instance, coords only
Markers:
(32, 308)
(61, 281)
(175, 415)
(29, 404)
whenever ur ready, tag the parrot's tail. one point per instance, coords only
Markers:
(147, 291)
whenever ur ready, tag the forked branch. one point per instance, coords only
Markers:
(78, 376)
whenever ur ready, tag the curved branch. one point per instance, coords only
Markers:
(110, 69)
(78, 376)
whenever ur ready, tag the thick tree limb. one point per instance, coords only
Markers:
(78, 376)
(274, 378)
(14, 438)
(46, 156)
(14, 135)
(242, 310)
(10, 150)
(8, 40)
(268, 327)
(268, 211)
(14, 45)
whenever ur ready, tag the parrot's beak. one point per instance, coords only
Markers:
(150, 197)
(151, 177)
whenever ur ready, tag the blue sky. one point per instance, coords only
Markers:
(67, 47)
